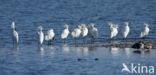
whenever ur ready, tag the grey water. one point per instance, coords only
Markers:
(64, 59)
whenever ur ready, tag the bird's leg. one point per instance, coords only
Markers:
(92, 40)
(64, 41)
(125, 41)
(53, 40)
(112, 42)
(75, 41)
(143, 38)
(84, 40)
(13, 42)
(50, 42)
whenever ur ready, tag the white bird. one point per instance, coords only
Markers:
(84, 30)
(15, 35)
(50, 35)
(93, 31)
(65, 32)
(146, 31)
(40, 35)
(113, 30)
(126, 30)
(76, 33)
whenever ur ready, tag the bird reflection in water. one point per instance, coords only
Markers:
(15, 50)
(114, 51)
(15, 53)
(142, 51)
(82, 51)
(51, 50)
(127, 51)
(65, 48)
(40, 50)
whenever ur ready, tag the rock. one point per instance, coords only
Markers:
(148, 46)
(138, 45)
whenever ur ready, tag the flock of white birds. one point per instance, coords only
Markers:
(81, 30)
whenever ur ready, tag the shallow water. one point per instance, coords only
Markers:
(67, 60)
(62, 59)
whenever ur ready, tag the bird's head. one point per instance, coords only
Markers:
(83, 25)
(110, 24)
(13, 25)
(51, 30)
(115, 26)
(66, 26)
(79, 26)
(92, 24)
(126, 23)
(40, 28)
(146, 25)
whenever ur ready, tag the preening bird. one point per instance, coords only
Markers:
(50, 35)
(65, 32)
(76, 33)
(146, 31)
(15, 35)
(126, 30)
(40, 35)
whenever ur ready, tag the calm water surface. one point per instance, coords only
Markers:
(60, 59)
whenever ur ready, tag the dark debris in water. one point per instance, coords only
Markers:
(96, 59)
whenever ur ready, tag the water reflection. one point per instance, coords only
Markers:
(15, 54)
(15, 47)
(141, 51)
(91, 48)
(127, 51)
(114, 51)
(82, 51)
(85, 51)
(65, 48)
(51, 47)
(51, 50)
(15, 50)
(40, 49)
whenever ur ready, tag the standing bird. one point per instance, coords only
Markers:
(50, 36)
(15, 36)
(126, 30)
(84, 31)
(93, 32)
(113, 30)
(76, 33)
(40, 35)
(146, 31)
(65, 33)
